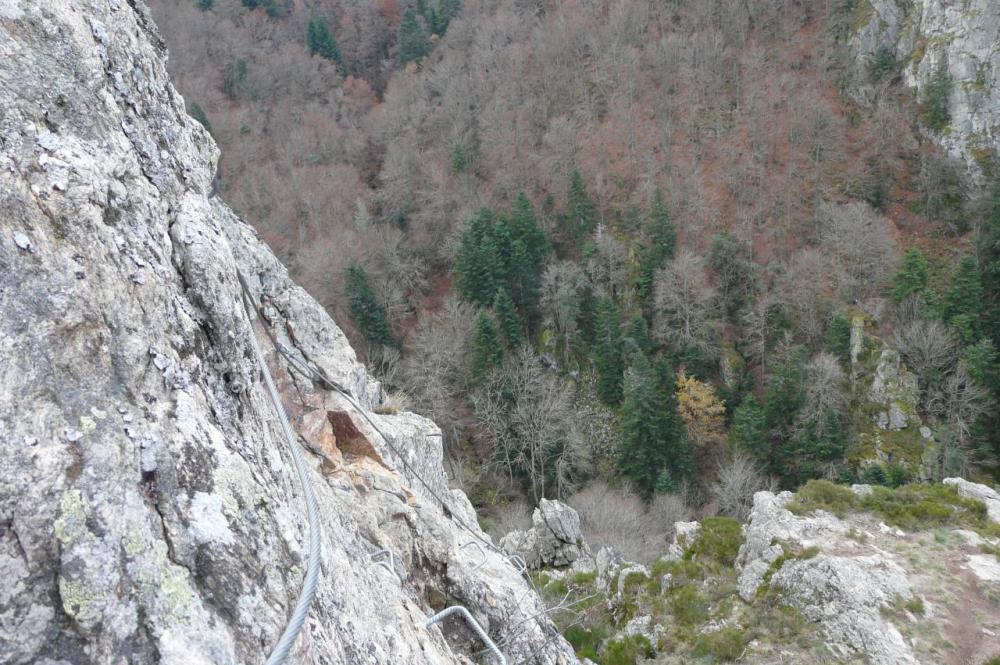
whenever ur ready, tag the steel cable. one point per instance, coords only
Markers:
(294, 626)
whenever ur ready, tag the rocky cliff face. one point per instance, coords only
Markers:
(921, 34)
(149, 510)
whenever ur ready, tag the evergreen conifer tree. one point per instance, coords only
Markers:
(749, 429)
(608, 352)
(989, 263)
(911, 276)
(660, 244)
(447, 10)
(838, 337)
(507, 318)
(580, 207)
(487, 351)
(963, 302)
(636, 336)
(477, 263)
(321, 42)
(459, 160)
(652, 451)
(412, 40)
(937, 98)
(367, 312)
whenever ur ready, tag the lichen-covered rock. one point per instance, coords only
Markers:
(894, 390)
(553, 540)
(843, 588)
(149, 509)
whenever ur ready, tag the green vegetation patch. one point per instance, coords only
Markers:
(718, 541)
(911, 507)
(724, 645)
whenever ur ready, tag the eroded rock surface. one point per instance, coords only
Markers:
(554, 538)
(921, 35)
(149, 509)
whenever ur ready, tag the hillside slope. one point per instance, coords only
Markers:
(149, 511)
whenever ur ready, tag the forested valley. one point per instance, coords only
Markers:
(643, 256)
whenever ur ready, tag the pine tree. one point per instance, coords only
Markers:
(964, 300)
(205, 5)
(785, 394)
(988, 246)
(487, 351)
(526, 228)
(581, 209)
(660, 245)
(937, 98)
(749, 429)
(507, 318)
(911, 276)
(652, 450)
(447, 10)
(838, 337)
(608, 352)
(477, 263)
(367, 312)
(459, 160)
(815, 449)
(321, 42)
(412, 40)
(636, 336)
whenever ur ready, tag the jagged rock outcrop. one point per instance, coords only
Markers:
(876, 592)
(553, 540)
(149, 511)
(923, 33)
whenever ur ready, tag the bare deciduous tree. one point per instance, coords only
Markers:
(560, 296)
(686, 305)
(527, 414)
(825, 383)
(437, 370)
(618, 518)
(861, 252)
(737, 479)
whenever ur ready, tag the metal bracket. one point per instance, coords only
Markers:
(469, 619)
(378, 560)
(482, 551)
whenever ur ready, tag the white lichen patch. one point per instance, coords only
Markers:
(208, 522)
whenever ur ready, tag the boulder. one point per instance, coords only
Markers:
(987, 495)
(553, 540)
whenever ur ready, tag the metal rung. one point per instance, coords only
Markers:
(479, 546)
(469, 619)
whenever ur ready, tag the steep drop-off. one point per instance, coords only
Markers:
(149, 509)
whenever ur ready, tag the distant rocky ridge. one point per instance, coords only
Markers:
(149, 509)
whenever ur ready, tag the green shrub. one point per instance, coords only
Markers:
(199, 114)
(823, 495)
(586, 641)
(718, 540)
(688, 606)
(626, 651)
(724, 645)
(915, 606)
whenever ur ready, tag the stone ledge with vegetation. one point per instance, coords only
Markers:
(830, 574)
